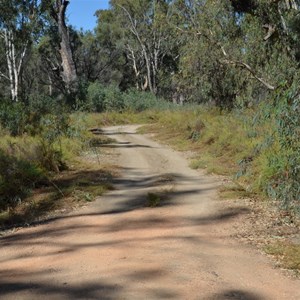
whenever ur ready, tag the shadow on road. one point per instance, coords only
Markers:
(236, 295)
(62, 291)
(115, 208)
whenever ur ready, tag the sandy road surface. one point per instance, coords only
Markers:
(116, 248)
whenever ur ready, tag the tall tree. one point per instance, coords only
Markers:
(18, 23)
(57, 10)
(148, 38)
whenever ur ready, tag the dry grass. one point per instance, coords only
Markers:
(287, 253)
(233, 191)
(65, 192)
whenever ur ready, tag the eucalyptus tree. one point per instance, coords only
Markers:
(147, 38)
(56, 9)
(19, 22)
(235, 50)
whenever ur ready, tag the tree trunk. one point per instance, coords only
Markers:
(14, 65)
(9, 45)
(69, 73)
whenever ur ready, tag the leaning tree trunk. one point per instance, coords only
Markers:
(69, 74)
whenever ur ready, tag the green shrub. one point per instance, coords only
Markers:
(139, 101)
(285, 183)
(101, 98)
(38, 107)
(113, 99)
(53, 129)
(95, 97)
(17, 177)
(13, 117)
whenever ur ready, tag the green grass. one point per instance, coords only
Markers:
(221, 139)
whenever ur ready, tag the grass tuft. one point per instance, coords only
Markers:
(234, 191)
(287, 253)
(154, 199)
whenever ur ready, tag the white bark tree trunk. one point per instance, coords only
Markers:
(150, 49)
(14, 62)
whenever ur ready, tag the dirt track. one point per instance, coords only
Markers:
(117, 248)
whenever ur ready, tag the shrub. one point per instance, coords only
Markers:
(17, 177)
(101, 98)
(13, 117)
(110, 98)
(113, 99)
(285, 184)
(139, 101)
(95, 97)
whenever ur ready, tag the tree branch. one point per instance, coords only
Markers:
(248, 68)
(271, 30)
(4, 76)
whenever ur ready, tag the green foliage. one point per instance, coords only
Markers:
(285, 184)
(138, 101)
(96, 96)
(17, 177)
(154, 199)
(26, 161)
(101, 98)
(13, 117)
(113, 100)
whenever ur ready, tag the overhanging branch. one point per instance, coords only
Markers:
(248, 68)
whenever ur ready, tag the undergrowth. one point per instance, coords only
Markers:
(31, 162)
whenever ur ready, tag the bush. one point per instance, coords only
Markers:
(139, 101)
(285, 183)
(26, 160)
(13, 117)
(17, 177)
(101, 98)
(95, 97)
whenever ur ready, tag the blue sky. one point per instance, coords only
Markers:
(80, 13)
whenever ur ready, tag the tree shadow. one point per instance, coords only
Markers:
(237, 295)
(116, 207)
(16, 281)
(99, 131)
(70, 188)
(64, 291)
(121, 145)
(221, 216)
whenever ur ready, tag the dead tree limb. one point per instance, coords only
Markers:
(248, 68)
